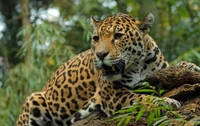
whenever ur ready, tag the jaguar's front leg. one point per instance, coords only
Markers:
(123, 97)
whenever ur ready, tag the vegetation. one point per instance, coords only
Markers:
(155, 112)
(38, 36)
(157, 115)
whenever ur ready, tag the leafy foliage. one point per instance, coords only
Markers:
(24, 79)
(192, 55)
(155, 111)
(145, 87)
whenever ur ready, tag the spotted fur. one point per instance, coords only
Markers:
(122, 54)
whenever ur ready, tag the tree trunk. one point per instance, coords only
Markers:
(25, 15)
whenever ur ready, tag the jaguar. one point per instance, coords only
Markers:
(100, 79)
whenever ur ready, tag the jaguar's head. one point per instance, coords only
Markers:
(117, 43)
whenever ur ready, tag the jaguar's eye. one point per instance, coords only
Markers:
(95, 38)
(118, 35)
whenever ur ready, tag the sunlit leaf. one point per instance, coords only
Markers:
(144, 91)
(128, 119)
(150, 118)
(139, 115)
(120, 122)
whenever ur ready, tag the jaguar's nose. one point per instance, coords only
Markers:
(101, 55)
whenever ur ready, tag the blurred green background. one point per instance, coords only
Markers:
(37, 36)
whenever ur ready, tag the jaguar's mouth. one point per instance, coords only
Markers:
(114, 70)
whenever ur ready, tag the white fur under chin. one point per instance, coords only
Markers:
(113, 77)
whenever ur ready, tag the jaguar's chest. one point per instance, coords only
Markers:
(133, 75)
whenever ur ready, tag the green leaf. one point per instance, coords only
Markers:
(120, 122)
(150, 118)
(128, 119)
(158, 100)
(160, 107)
(142, 84)
(144, 91)
(160, 121)
(119, 117)
(162, 91)
(168, 121)
(139, 115)
(157, 113)
(129, 109)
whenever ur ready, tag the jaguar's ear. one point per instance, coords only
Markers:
(146, 23)
(95, 23)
